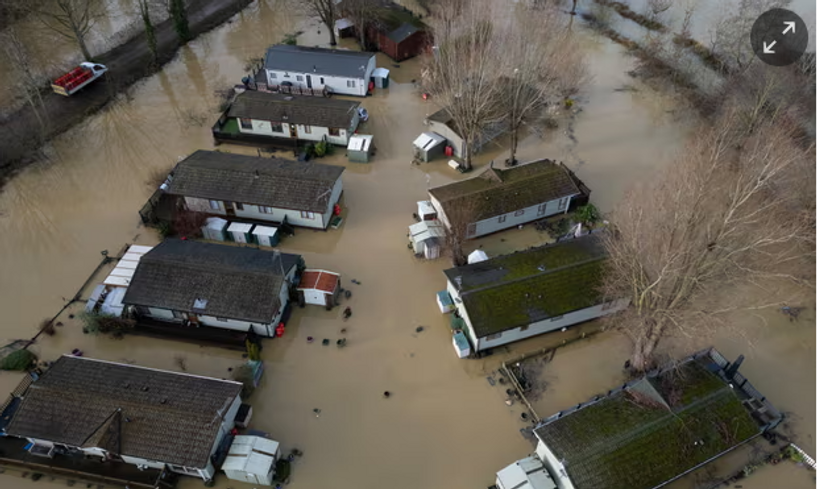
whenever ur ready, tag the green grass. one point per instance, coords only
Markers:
(621, 444)
(394, 18)
(231, 126)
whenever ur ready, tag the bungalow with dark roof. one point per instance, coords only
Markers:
(340, 71)
(264, 189)
(512, 297)
(259, 117)
(498, 199)
(204, 284)
(655, 429)
(120, 413)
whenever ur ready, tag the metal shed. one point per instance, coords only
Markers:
(252, 459)
(426, 238)
(215, 229)
(266, 235)
(360, 148)
(381, 77)
(426, 210)
(240, 232)
(428, 146)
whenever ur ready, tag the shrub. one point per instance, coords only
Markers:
(47, 327)
(588, 214)
(244, 374)
(106, 323)
(291, 39)
(19, 360)
(321, 148)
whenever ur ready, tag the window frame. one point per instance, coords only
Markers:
(276, 126)
(307, 215)
(493, 336)
(265, 209)
(563, 203)
(245, 123)
(542, 209)
(334, 131)
(351, 83)
(238, 206)
(520, 212)
(502, 218)
(272, 75)
(299, 78)
(307, 129)
(216, 207)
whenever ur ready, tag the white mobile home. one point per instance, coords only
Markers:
(120, 413)
(207, 284)
(338, 70)
(498, 199)
(254, 116)
(512, 297)
(261, 189)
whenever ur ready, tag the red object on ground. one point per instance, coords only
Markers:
(279, 331)
(449, 151)
(73, 78)
(425, 96)
(336, 210)
(371, 86)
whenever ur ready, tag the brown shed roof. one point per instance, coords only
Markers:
(273, 182)
(499, 191)
(293, 109)
(126, 409)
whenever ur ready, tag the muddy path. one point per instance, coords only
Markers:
(21, 133)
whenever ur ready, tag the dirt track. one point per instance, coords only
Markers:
(127, 63)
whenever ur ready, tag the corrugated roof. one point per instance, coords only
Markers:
(294, 109)
(152, 414)
(211, 279)
(514, 290)
(499, 191)
(319, 280)
(402, 33)
(320, 61)
(632, 441)
(273, 182)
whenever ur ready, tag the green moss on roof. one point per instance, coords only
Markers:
(619, 443)
(393, 18)
(528, 286)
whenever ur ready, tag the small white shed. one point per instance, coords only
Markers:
(240, 232)
(477, 256)
(360, 148)
(252, 459)
(319, 287)
(214, 229)
(426, 210)
(381, 77)
(426, 238)
(428, 146)
(266, 235)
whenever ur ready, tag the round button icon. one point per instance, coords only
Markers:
(779, 37)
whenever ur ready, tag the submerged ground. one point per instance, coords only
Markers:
(444, 425)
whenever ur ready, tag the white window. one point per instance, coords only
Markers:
(223, 320)
(502, 218)
(520, 212)
(264, 209)
(272, 75)
(334, 131)
(246, 123)
(542, 209)
(276, 127)
(215, 205)
(563, 203)
(307, 129)
(350, 84)
(307, 215)
(494, 336)
(299, 77)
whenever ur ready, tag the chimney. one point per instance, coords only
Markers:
(733, 367)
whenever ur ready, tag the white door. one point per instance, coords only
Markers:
(263, 240)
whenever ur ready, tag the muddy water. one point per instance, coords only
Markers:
(444, 426)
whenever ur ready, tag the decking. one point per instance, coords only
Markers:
(201, 335)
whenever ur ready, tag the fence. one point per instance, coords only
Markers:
(806, 457)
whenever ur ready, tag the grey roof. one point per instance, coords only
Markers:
(321, 61)
(403, 32)
(293, 109)
(273, 182)
(211, 279)
(524, 287)
(442, 116)
(126, 409)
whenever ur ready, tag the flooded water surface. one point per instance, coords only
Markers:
(444, 425)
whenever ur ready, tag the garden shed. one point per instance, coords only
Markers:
(215, 228)
(360, 148)
(381, 77)
(252, 459)
(319, 287)
(426, 238)
(240, 232)
(266, 235)
(429, 145)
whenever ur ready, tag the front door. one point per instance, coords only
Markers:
(229, 207)
(309, 81)
(293, 132)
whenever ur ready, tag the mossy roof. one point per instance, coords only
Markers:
(499, 191)
(619, 443)
(528, 286)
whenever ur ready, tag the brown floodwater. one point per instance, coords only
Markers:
(444, 425)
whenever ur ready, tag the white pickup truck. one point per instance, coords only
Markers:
(74, 80)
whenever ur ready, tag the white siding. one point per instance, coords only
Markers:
(319, 81)
(315, 133)
(203, 205)
(141, 461)
(162, 313)
(224, 323)
(440, 212)
(454, 140)
(455, 296)
(548, 325)
(264, 128)
(556, 469)
(333, 199)
(533, 213)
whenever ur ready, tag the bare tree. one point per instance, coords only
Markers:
(178, 14)
(326, 11)
(546, 64)
(718, 221)
(150, 30)
(361, 13)
(462, 76)
(458, 217)
(72, 19)
(27, 82)
(730, 38)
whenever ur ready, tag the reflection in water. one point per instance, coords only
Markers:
(443, 416)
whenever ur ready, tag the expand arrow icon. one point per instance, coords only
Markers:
(789, 27)
(767, 48)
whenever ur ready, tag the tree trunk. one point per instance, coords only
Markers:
(514, 144)
(643, 350)
(332, 40)
(81, 43)
(466, 154)
(574, 6)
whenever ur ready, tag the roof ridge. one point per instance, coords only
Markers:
(220, 268)
(536, 275)
(185, 374)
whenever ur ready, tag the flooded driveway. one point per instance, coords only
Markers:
(444, 425)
